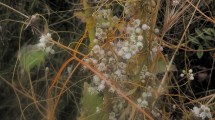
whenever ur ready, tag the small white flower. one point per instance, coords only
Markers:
(111, 43)
(96, 49)
(103, 36)
(144, 104)
(140, 38)
(48, 49)
(138, 30)
(115, 19)
(119, 44)
(92, 90)
(203, 112)
(96, 80)
(112, 116)
(174, 107)
(154, 49)
(69, 69)
(134, 49)
(191, 78)
(99, 32)
(144, 94)
(112, 90)
(118, 73)
(157, 30)
(106, 25)
(156, 114)
(95, 40)
(127, 11)
(143, 81)
(181, 75)
(109, 53)
(125, 49)
(48, 35)
(121, 52)
(145, 27)
(139, 45)
(132, 37)
(136, 23)
(101, 67)
(149, 94)
(103, 82)
(52, 51)
(175, 2)
(45, 38)
(126, 44)
(127, 4)
(132, 42)
(190, 71)
(203, 107)
(101, 87)
(203, 115)
(130, 30)
(101, 53)
(183, 71)
(94, 61)
(139, 100)
(147, 73)
(98, 109)
(161, 48)
(104, 60)
(111, 60)
(41, 45)
(122, 65)
(127, 56)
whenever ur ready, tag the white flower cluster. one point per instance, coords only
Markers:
(43, 43)
(112, 58)
(127, 48)
(175, 2)
(69, 69)
(155, 113)
(113, 62)
(144, 74)
(112, 116)
(100, 34)
(157, 30)
(98, 85)
(92, 90)
(103, 13)
(98, 82)
(118, 106)
(202, 112)
(142, 101)
(128, 9)
(189, 74)
(156, 47)
(98, 109)
(104, 59)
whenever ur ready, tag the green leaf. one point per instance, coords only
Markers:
(31, 57)
(200, 53)
(160, 66)
(208, 37)
(194, 40)
(198, 32)
(90, 102)
(207, 31)
(212, 30)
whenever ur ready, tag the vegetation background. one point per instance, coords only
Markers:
(19, 101)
